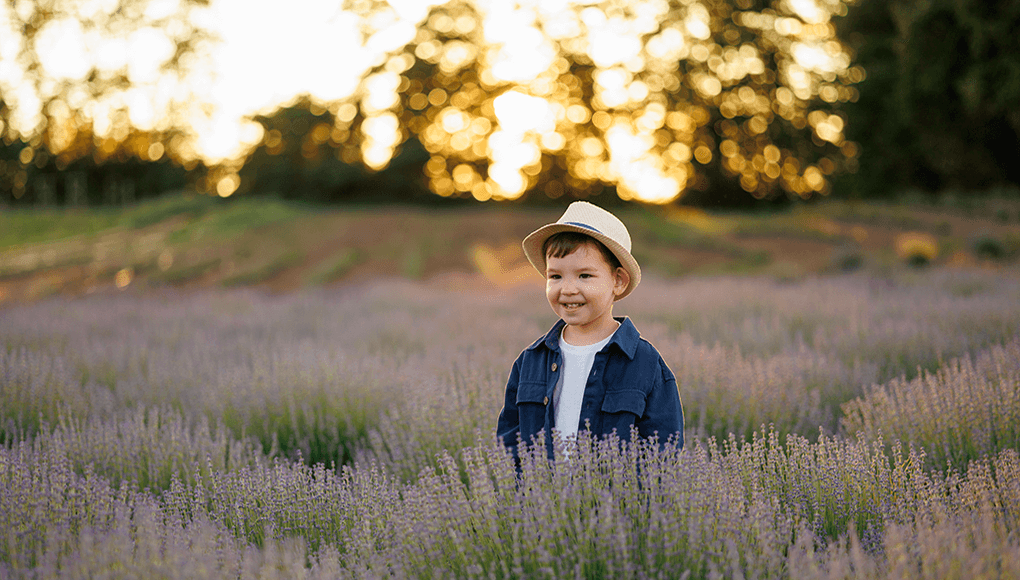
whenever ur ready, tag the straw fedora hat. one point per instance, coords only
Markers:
(589, 219)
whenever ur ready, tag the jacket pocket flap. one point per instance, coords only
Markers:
(531, 392)
(630, 401)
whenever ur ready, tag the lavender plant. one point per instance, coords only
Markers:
(749, 352)
(965, 410)
(45, 505)
(602, 509)
(348, 433)
(40, 387)
(147, 448)
(60, 524)
(968, 530)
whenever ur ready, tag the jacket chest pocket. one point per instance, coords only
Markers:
(532, 392)
(532, 403)
(621, 408)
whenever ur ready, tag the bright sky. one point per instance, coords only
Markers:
(273, 51)
(270, 52)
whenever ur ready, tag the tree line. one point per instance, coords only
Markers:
(928, 99)
(940, 108)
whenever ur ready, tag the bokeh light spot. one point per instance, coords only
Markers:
(122, 279)
(703, 154)
(227, 185)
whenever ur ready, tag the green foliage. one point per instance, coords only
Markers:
(303, 158)
(317, 420)
(117, 180)
(242, 215)
(940, 107)
(188, 206)
(334, 267)
(27, 226)
(710, 79)
(51, 148)
(264, 270)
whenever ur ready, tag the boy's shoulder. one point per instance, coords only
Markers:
(646, 354)
(550, 339)
(635, 346)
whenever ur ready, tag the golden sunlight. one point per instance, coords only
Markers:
(559, 96)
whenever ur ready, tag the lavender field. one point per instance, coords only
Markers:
(853, 426)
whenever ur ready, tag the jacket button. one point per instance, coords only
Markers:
(545, 401)
(554, 367)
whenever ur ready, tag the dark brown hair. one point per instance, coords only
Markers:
(565, 243)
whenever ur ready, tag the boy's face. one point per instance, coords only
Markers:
(581, 288)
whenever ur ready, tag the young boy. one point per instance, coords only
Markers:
(591, 371)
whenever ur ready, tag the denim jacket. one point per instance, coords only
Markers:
(629, 384)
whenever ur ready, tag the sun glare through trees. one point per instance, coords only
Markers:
(555, 97)
(78, 78)
(647, 96)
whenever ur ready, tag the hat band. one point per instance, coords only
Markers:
(585, 226)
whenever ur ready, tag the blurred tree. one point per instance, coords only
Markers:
(655, 98)
(110, 173)
(90, 87)
(940, 107)
(300, 157)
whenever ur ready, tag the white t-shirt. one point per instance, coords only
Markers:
(569, 393)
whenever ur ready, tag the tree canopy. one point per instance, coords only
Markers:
(940, 108)
(653, 100)
(655, 97)
(301, 158)
(93, 82)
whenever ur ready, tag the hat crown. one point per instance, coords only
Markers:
(584, 217)
(593, 217)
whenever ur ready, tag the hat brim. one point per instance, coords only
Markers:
(533, 250)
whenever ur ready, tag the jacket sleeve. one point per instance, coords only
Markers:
(508, 427)
(663, 411)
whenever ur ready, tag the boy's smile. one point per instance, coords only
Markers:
(581, 289)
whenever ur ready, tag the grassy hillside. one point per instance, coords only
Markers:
(198, 241)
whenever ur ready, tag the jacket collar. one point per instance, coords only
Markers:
(625, 338)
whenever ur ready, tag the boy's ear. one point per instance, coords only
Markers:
(622, 280)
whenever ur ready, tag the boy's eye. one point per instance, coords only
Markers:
(554, 276)
(585, 276)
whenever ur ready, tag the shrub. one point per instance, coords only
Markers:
(848, 258)
(916, 249)
(146, 448)
(986, 246)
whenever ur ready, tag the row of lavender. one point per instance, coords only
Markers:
(761, 509)
(154, 422)
(314, 372)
